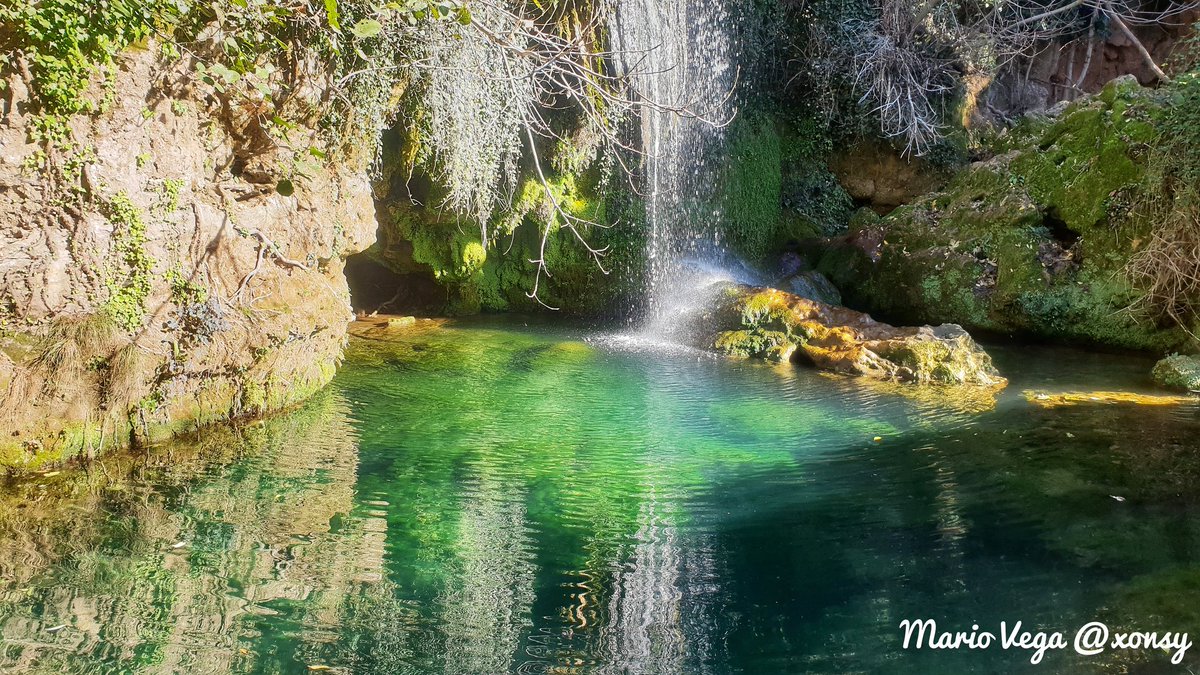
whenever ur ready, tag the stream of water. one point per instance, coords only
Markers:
(681, 56)
(495, 498)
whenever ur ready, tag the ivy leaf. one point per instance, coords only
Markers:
(331, 14)
(367, 28)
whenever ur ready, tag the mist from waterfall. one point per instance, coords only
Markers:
(682, 55)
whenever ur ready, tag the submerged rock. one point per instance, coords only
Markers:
(1178, 372)
(781, 326)
(1068, 398)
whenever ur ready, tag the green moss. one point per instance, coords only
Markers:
(1034, 241)
(1083, 158)
(747, 343)
(751, 188)
(1170, 597)
(501, 276)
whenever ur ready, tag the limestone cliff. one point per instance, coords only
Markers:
(165, 261)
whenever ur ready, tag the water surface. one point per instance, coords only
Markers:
(495, 498)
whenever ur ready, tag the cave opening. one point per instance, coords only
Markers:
(376, 288)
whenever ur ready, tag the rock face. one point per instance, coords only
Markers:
(874, 173)
(1178, 372)
(1056, 75)
(1033, 241)
(163, 263)
(773, 324)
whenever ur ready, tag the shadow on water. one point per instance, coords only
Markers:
(493, 498)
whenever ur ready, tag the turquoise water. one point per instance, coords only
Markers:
(496, 498)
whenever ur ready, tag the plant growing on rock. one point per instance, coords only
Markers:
(489, 96)
(902, 63)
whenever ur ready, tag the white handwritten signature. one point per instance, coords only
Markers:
(1092, 638)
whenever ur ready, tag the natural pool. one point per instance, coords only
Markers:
(492, 498)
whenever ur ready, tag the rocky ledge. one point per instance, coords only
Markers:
(773, 324)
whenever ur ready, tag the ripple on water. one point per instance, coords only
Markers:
(495, 499)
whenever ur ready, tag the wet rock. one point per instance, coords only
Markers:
(792, 263)
(815, 286)
(1178, 372)
(781, 326)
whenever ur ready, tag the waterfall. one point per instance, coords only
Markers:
(681, 54)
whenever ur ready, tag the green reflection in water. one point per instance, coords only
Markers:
(493, 499)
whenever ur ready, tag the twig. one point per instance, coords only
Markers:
(1116, 19)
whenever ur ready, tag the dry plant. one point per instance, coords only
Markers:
(1167, 269)
(77, 353)
(906, 60)
(488, 89)
(899, 81)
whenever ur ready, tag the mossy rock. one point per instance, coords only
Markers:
(1178, 372)
(1032, 242)
(776, 325)
(496, 275)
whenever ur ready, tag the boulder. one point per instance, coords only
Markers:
(1178, 372)
(773, 324)
(815, 286)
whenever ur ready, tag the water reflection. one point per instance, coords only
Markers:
(489, 501)
(166, 561)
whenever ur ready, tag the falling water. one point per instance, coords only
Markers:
(681, 54)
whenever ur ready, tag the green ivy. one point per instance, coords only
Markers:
(128, 291)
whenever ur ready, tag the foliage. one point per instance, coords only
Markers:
(129, 282)
(1168, 268)
(816, 204)
(170, 195)
(64, 42)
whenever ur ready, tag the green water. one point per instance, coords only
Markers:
(501, 499)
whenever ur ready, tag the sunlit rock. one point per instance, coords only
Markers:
(773, 324)
(1068, 398)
